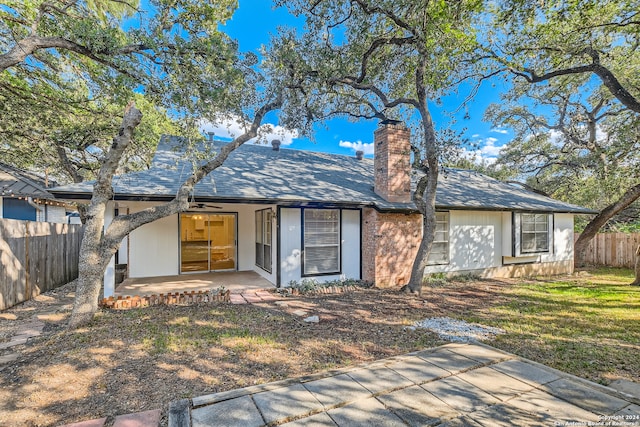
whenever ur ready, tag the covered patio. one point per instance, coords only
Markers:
(236, 281)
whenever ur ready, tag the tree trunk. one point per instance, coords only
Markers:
(90, 277)
(93, 259)
(630, 196)
(425, 194)
(636, 282)
(98, 248)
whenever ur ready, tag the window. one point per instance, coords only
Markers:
(263, 239)
(321, 241)
(534, 233)
(440, 249)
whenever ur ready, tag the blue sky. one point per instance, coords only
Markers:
(255, 20)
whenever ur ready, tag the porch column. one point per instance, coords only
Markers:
(109, 280)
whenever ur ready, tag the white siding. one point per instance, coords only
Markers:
(562, 239)
(56, 214)
(351, 244)
(154, 248)
(1, 212)
(291, 246)
(109, 279)
(479, 241)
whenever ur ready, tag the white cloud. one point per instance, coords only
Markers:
(499, 130)
(475, 135)
(358, 146)
(231, 127)
(486, 152)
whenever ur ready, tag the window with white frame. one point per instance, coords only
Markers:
(440, 249)
(321, 240)
(535, 235)
(263, 239)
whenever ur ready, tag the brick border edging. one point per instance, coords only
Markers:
(177, 298)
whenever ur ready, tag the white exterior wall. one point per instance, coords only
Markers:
(109, 279)
(291, 247)
(562, 239)
(56, 214)
(154, 248)
(482, 240)
(1, 207)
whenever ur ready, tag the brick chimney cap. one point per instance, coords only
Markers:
(391, 122)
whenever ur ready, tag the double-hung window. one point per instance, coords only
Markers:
(263, 239)
(440, 249)
(321, 239)
(532, 233)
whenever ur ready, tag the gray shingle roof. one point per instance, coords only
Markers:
(15, 182)
(258, 173)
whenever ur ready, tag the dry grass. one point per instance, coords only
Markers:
(136, 360)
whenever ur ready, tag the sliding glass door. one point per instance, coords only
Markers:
(207, 242)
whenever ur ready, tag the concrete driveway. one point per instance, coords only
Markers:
(452, 385)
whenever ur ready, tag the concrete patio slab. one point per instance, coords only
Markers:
(378, 380)
(631, 412)
(277, 405)
(460, 422)
(460, 395)
(552, 409)
(626, 387)
(526, 372)
(338, 389)
(494, 389)
(508, 416)
(452, 362)
(418, 370)
(318, 420)
(479, 353)
(495, 383)
(585, 397)
(236, 281)
(241, 411)
(365, 413)
(418, 407)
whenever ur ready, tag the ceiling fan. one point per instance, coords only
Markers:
(200, 205)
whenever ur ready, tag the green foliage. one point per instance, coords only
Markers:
(574, 96)
(365, 60)
(63, 104)
(311, 286)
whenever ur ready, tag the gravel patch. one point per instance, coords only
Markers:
(457, 330)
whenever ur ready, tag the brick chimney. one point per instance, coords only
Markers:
(392, 161)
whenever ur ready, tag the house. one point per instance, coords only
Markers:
(290, 215)
(24, 196)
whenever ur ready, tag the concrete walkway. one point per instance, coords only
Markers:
(452, 385)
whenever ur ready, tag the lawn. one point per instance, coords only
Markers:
(587, 325)
(130, 361)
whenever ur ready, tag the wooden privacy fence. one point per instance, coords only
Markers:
(612, 249)
(36, 257)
